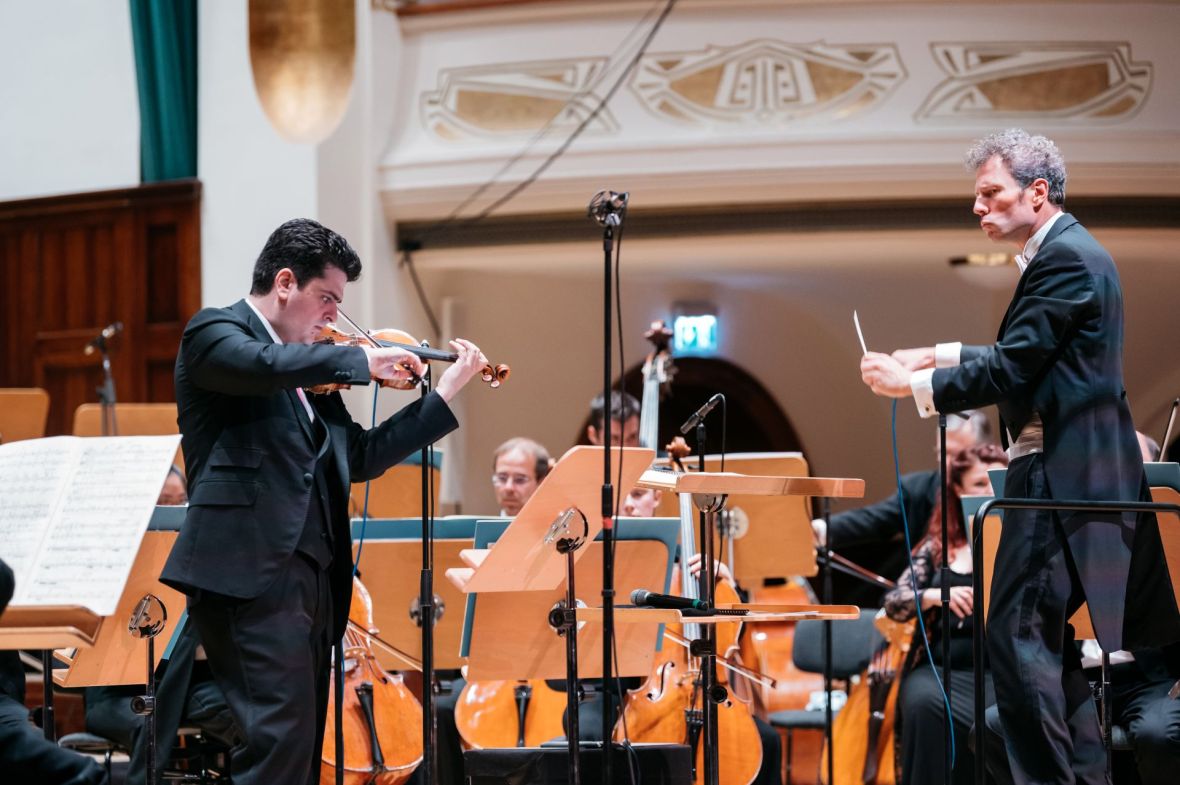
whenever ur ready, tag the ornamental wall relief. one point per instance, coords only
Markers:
(767, 82)
(1085, 81)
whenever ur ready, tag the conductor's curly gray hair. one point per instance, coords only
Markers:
(1027, 158)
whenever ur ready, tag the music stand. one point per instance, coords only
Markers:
(764, 536)
(511, 639)
(398, 493)
(543, 544)
(393, 548)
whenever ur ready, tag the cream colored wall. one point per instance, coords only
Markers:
(791, 329)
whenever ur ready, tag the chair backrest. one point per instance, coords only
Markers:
(853, 644)
(23, 411)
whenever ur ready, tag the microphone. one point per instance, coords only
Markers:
(607, 207)
(701, 413)
(649, 599)
(108, 332)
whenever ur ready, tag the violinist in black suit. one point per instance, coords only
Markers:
(1056, 374)
(264, 554)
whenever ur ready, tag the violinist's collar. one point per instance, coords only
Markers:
(270, 330)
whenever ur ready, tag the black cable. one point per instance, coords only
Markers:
(540, 134)
(618, 235)
(408, 262)
(569, 140)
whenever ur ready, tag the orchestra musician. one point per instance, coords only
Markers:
(518, 466)
(624, 426)
(25, 754)
(264, 554)
(874, 535)
(920, 705)
(1055, 372)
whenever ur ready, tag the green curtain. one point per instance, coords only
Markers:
(165, 37)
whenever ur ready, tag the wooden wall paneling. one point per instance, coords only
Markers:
(72, 264)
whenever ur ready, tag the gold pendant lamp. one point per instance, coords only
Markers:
(302, 54)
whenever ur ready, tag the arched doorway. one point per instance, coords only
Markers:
(754, 420)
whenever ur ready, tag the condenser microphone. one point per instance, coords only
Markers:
(701, 413)
(108, 332)
(607, 207)
(649, 599)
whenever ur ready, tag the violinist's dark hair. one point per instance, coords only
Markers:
(623, 406)
(308, 248)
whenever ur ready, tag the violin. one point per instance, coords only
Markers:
(381, 720)
(493, 375)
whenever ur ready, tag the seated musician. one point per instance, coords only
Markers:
(920, 706)
(518, 466)
(25, 754)
(624, 425)
(873, 535)
(1140, 683)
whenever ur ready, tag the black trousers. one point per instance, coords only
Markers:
(270, 657)
(923, 738)
(1050, 723)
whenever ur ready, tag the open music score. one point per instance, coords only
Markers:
(73, 513)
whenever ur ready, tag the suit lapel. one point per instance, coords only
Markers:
(243, 310)
(1064, 222)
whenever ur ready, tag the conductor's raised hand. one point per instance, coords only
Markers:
(393, 363)
(884, 375)
(470, 362)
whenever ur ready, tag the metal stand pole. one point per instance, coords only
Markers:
(426, 618)
(608, 494)
(827, 579)
(564, 619)
(48, 720)
(147, 621)
(945, 572)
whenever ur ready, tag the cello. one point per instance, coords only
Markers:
(862, 733)
(382, 720)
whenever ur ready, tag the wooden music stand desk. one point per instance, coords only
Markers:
(522, 560)
(770, 536)
(390, 567)
(510, 637)
(398, 492)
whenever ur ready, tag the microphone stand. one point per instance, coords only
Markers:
(106, 393)
(426, 611)
(945, 572)
(712, 693)
(610, 221)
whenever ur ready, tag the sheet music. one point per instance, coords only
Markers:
(88, 516)
(33, 473)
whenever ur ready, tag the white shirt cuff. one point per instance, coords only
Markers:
(922, 385)
(947, 355)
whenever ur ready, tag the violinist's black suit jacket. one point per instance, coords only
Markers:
(250, 455)
(1059, 352)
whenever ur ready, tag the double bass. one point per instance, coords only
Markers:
(670, 706)
(382, 720)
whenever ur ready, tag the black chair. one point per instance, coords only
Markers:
(853, 644)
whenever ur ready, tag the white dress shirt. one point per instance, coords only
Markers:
(275, 337)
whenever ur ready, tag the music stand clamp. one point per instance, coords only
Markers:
(147, 621)
(564, 621)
